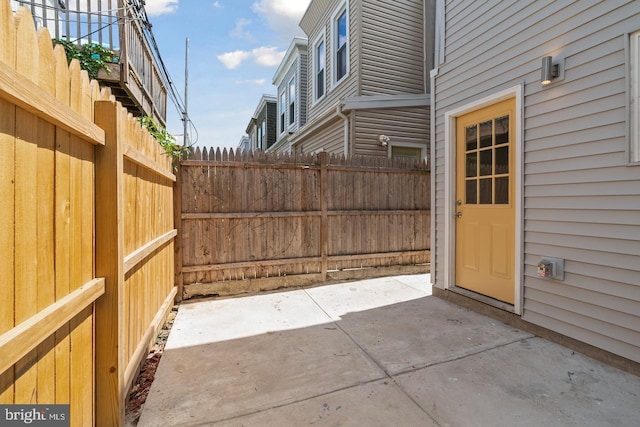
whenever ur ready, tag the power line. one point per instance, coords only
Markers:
(141, 13)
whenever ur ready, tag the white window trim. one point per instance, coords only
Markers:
(322, 37)
(281, 113)
(291, 122)
(634, 110)
(422, 147)
(342, 7)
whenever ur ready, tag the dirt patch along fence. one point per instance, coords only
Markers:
(86, 233)
(256, 221)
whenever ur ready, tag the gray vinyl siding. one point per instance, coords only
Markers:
(581, 196)
(272, 111)
(402, 125)
(302, 89)
(392, 47)
(329, 139)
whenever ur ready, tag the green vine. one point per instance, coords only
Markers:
(92, 56)
(164, 138)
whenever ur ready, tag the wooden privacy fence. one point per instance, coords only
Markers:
(86, 233)
(294, 220)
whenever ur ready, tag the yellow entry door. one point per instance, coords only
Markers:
(485, 201)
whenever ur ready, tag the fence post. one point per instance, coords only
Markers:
(109, 205)
(177, 223)
(323, 159)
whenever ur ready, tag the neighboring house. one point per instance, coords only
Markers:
(525, 171)
(261, 129)
(244, 144)
(133, 73)
(290, 80)
(367, 91)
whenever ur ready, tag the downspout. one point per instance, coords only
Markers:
(438, 59)
(345, 118)
(432, 161)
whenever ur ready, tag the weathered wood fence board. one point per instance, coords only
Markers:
(250, 215)
(86, 280)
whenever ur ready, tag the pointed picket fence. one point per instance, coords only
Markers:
(86, 233)
(294, 218)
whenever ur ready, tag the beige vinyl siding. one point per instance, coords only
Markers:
(348, 86)
(330, 139)
(581, 197)
(392, 47)
(402, 125)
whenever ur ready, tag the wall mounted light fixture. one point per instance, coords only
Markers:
(384, 140)
(549, 70)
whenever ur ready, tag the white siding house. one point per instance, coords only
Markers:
(367, 92)
(558, 164)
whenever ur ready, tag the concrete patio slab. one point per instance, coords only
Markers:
(226, 319)
(531, 382)
(376, 352)
(377, 404)
(424, 332)
(340, 299)
(216, 381)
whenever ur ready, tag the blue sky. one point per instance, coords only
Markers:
(235, 49)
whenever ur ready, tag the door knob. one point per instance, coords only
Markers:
(458, 214)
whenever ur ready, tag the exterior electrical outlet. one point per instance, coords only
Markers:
(551, 268)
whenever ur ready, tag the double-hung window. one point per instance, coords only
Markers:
(341, 45)
(292, 101)
(320, 61)
(635, 96)
(283, 110)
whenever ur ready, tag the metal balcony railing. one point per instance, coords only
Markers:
(134, 75)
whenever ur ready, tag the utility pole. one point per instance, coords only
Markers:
(185, 114)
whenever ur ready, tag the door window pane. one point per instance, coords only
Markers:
(486, 191)
(472, 137)
(502, 130)
(502, 160)
(472, 164)
(502, 191)
(486, 134)
(486, 162)
(471, 197)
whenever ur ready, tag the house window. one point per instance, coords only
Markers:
(341, 45)
(259, 138)
(283, 110)
(319, 68)
(263, 129)
(292, 101)
(635, 97)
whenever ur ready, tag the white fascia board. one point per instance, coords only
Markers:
(263, 103)
(386, 101)
(297, 47)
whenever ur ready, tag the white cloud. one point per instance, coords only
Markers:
(217, 4)
(283, 16)
(258, 82)
(232, 60)
(266, 56)
(161, 7)
(239, 30)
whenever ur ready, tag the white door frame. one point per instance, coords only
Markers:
(450, 187)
